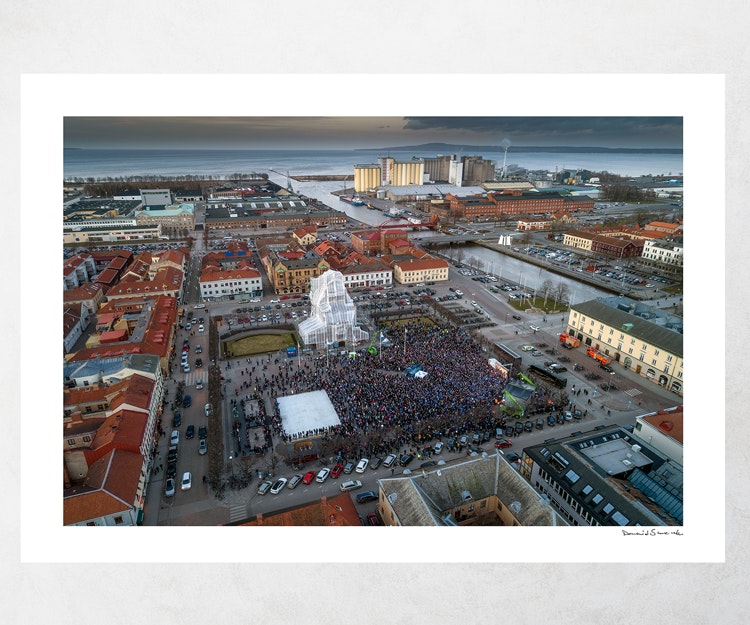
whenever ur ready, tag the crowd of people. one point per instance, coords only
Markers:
(380, 407)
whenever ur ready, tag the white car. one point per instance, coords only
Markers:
(208, 409)
(535, 328)
(350, 485)
(169, 490)
(438, 448)
(278, 486)
(200, 328)
(322, 475)
(175, 438)
(199, 384)
(202, 447)
(187, 481)
(527, 348)
(362, 465)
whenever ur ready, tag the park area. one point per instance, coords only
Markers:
(260, 343)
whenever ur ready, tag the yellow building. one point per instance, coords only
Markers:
(579, 240)
(652, 350)
(366, 177)
(420, 270)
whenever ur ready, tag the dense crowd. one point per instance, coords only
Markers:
(380, 407)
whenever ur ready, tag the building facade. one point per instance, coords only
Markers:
(217, 284)
(625, 331)
(420, 270)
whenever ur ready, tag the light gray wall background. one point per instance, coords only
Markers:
(340, 37)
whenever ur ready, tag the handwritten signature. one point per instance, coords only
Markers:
(653, 532)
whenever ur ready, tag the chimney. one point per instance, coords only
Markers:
(259, 518)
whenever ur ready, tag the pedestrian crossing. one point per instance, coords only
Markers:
(192, 377)
(633, 392)
(237, 513)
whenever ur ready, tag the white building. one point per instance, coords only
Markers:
(375, 274)
(666, 252)
(218, 283)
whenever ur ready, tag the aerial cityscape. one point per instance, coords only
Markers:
(361, 321)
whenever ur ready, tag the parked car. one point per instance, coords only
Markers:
(551, 420)
(264, 487)
(308, 477)
(528, 426)
(198, 349)
(169, 490)
(373, 519)
(362, 465)
(202, 447)
(503, 443)
(517, 317)
(527, 348)
(171, 469)
(187, 480)
(389, 460)
(348, 468)
(428, 463)
(513, 457)
(350, 485)
(405, 459)
(438, 448)
(367, 496)
(209, 410)
(202, 432)
(174, 439)
(187, 401)
(376, 462)
(294, 481)
(190, 432)
(336, 471)
(539, 423)
(322, 475)
(177, 419)
(198, 363)
(278, 486)
(518, 427)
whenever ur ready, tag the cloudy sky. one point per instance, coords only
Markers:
(368, 132)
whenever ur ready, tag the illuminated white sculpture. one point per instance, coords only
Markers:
(333, 315)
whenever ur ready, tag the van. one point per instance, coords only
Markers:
(264, 487)
(389, 461)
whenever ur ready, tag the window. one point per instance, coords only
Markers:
(118, 520)
(71, 441)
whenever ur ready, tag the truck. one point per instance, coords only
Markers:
(569, 341)
(598, 356)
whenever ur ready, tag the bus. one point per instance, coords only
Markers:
(548, 376)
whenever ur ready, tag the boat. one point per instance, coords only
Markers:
(355, 201)
(395, 212)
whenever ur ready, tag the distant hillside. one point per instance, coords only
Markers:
(448, 147)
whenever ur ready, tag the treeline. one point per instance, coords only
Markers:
(625, 193)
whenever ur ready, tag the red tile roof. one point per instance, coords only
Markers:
(419, 265)
(334, 511)
(110, 488)
(670, 423)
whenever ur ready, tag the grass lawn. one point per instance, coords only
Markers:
(259, 344)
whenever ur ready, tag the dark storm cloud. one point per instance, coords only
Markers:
(544, 131)
(364, 132)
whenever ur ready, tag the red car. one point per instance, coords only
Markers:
(309, 477)
(503, 443)
(336, 471)
(373, 519)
